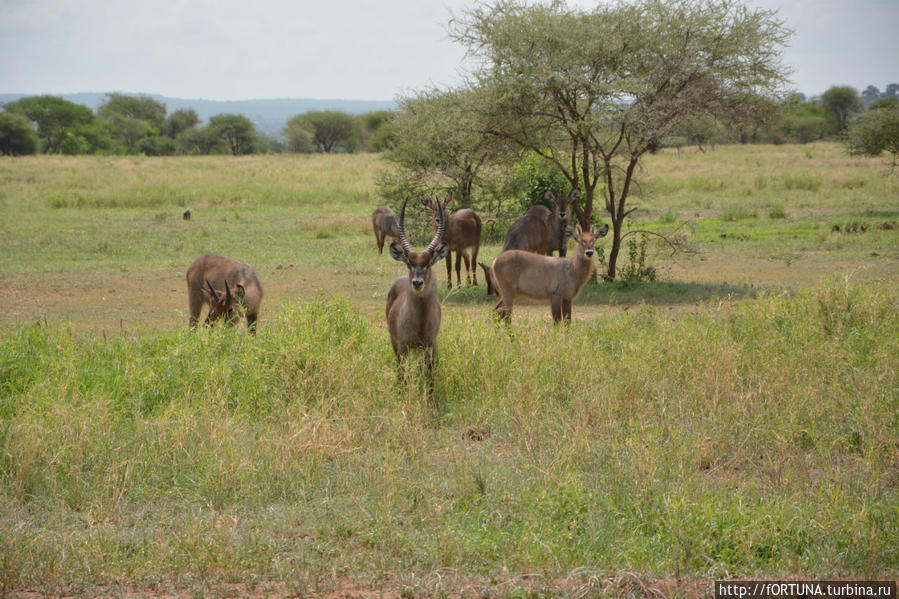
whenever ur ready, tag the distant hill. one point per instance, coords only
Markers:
(269, 116)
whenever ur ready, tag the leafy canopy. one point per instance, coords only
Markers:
(593, 90)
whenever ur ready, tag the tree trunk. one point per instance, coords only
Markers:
(616, 248)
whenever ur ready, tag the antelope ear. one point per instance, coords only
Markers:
(602, 231)
(578, 230)
(447, 199)
(549, 195)
(440, 252)
(239, 292)
(575, 194)
(397, 252)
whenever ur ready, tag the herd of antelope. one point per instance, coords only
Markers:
(525, 267)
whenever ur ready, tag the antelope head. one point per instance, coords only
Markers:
(220, 302)
(563, 202)
(419, 263)
(587, 239)
(437, 207)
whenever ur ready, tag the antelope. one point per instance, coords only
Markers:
(539, 230)
(228, 286)
(413, 308)
(546, 278)
(463, 231)
(383, 221)
(543, 231)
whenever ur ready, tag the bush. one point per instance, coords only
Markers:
(876, 131)
(533, 177)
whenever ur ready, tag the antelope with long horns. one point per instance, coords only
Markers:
(462, 234)
(229, 287)
(413, 308)
(546, 278)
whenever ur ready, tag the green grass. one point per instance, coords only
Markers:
(759, 441)
(736, 417)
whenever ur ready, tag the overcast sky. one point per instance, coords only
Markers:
(343, 49)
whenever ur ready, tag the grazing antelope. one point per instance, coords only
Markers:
(228, 286)
(547, 278)
(413, 308)
(383, 221)
(463, 231)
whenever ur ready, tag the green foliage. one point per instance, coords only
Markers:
(132, 120)
(636, 270)
(735, 213)
(876, 131)
(375, 129)
(235, 131)
(801, 121)
(555, 77)
(143, 108)
(534, 176)
(776, 212)
(841, 104)
(299, 134)
(203, 140)
(330, 131)
(56, 118)
(439, 143)
(180, 121)
(159, 145)
(17, 135)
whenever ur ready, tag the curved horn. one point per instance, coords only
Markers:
(441, 227)
(215, 294)
(227, 293)
(407, 247)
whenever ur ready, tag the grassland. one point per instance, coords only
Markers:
(736, 418)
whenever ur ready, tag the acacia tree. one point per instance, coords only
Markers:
(438, 141)
(842, 103)
(594, 90)
(330, 130)
(144, 108)
(236, 131)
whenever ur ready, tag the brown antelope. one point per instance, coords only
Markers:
(413, 308)
(546, 278)
(383, 221)
(463, 231)
(540, 230)
(228, 286)
(543, 231)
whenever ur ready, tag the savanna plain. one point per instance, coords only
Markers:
(738, 417)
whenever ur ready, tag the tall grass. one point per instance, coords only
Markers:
(762, 440)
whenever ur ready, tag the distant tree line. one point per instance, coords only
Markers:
(141, 125)
(126, 124)
(793, 119)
